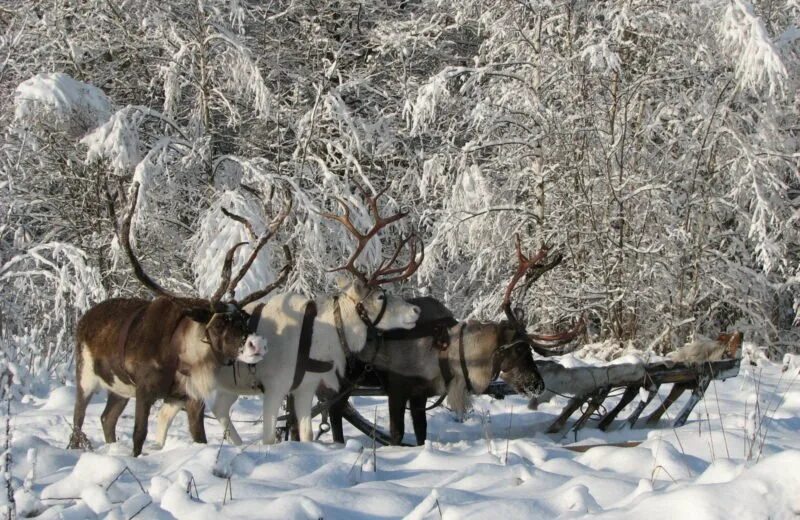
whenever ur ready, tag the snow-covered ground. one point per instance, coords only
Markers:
(497, 464)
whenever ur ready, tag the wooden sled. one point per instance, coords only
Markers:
(643, 382)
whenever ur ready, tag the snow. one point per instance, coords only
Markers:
(70, 104)
(497, 462)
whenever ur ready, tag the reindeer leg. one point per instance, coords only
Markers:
(222, 411)
(303, 398)
(397, 416)
(272, 403)
(86, 387)
(420, 419)
(144, 402)
(115, 405)
(195, 410)
(166, 414)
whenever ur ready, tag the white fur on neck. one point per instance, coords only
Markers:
(355, 331)
(196, 354)
(458, 397)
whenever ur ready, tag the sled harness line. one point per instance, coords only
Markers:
(337, 315)
(444, 362)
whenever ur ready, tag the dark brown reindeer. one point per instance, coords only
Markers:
(441, 355)
(166, 348)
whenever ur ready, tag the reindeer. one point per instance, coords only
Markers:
(166, 348)
(441, 356)
(311, 339)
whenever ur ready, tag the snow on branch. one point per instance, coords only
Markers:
(758, 62)
(66, 103)
(62, 266)
(421, 113)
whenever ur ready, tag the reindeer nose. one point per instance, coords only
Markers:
(253, 349)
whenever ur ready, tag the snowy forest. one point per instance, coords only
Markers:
(655, 145)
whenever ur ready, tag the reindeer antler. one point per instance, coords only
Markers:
(225, 278)
(125, 239)
(228, 285)
(385, 272)
(533, 267)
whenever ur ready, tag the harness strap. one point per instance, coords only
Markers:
(304, 361)
(444, 367)
(252, 324)
(255, 318)
(463, 361)
(337, 315)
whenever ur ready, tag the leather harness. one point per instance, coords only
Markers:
(444, 361)
(304, 361)
(252, 324)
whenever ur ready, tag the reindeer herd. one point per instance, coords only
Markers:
(185, 350)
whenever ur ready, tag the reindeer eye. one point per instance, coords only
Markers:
(381, 297)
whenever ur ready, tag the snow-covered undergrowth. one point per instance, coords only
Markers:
(497, 464)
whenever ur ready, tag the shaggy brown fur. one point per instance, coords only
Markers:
(167, 348)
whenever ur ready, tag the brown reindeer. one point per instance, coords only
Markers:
(166, 348)
(441, 356)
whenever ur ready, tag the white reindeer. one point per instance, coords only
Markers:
(339, 327)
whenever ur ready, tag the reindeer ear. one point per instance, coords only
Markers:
(520, 314)
(199, 314)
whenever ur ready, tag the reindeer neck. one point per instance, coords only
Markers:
(197, 362)
(353, 329)
(196, 347)
(480, 342)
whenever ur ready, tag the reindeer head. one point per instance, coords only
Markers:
(228, 332)
(513, 361)
(227, 327)
(376, 308)
(514, 357)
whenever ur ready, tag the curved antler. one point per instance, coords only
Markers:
(388, 274)
(278, 281)
(534, 269)
(225, 278)
(272, 228)
(385, 272)
(125, 239)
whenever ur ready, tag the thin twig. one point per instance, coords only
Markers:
(134, 515)
(126, 469)
(374, 455)
(508, 433)
(228, 486)
(769, 420)
(719, 412)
